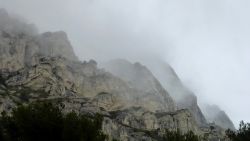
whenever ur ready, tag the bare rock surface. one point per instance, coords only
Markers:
(140, 77)
(215, 115)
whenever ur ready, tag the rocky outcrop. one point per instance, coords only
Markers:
(57, 79)
(204, 116)
(140, 77)
(142, 121)
(56, 44)
(19, 43)
(215, 115)
(58, 76)
(133, 123)
(190, 102)
(184, 98)
(151, 93)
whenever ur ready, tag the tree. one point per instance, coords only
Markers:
(242, 134)
(177, 136)
(42, 121)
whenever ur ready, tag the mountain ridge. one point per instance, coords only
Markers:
(44, 67)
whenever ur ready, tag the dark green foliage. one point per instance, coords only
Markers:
(24, 97)
(25, 94)
(80, 128)
(243, 134)
(190, 136)
(177, 136)
(3, 89)
(46, 122)
(2, 81)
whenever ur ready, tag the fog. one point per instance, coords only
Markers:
(205, 41)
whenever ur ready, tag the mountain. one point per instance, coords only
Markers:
(43, 67)
(183, 97)
(214, 114)
(99, 92)
(56, 44)
(19, 43)
(139, 77)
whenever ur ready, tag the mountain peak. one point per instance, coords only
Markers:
(56, 44)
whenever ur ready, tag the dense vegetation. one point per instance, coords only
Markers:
(46, 122)
(242, 134)
(174, 135)
(177, 136)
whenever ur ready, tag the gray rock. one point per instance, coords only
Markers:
(20, 43)
(152, 94)
(184, 98)
(215, 115)
(56, 44)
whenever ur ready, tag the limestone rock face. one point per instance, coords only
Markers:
(58, 77)
(215, 115)
(16, 51)
(19, 43)
(56, 44)
(139, 119)
(184, 98)
(190, 102)
(54, 79)
(140, 78)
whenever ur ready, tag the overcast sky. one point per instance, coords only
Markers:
(206, 41)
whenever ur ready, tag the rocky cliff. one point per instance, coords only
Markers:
(215, 115)
(124, 120)
(185, 99)
(134, 104)
(20, 43)
(139, 76)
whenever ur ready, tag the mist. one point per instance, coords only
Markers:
(206, 42)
